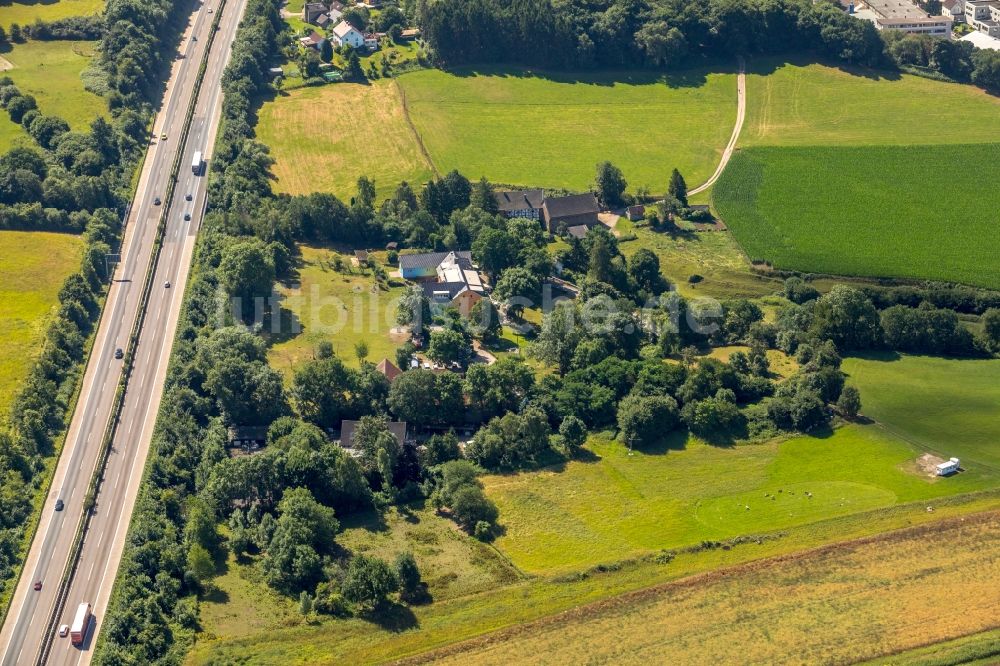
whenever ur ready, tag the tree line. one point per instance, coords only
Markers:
(667, 33)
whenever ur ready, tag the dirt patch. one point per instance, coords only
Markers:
(610, 220)
(926, 465)
(5, 64)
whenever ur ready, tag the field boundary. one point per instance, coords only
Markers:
(581, 613)
(413, 128)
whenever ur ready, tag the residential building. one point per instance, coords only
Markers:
(311, 11)
(984, 16)
(336, 11)
(313, 40)
(347, 428)
(520, 203)
(372, 39)
(955, 9)
(634, 213)
(903, 16)
(389, 369)
(564, 212)
(448, 278)
(345, 34)
(410, 33)
(578, 231)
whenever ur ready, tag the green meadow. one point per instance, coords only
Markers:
(949, 406)
(25, 13)
(50, 71)
(797, 104)
(551, 129)
(867, 211)
(618, 505)
(33, 266)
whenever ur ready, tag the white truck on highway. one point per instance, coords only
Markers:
(196, 163)
(78, 630)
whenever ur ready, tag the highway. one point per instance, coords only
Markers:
(22, 633)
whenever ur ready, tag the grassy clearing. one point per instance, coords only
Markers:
(452, 620)
(50, 71)
(712, 255)
(343, 306)
(836, 605)
(33, 266)
(782, 365)
(546, 129)
(947, 405)
(25, 13)
(812, 104)
(323, 138)
(618, 506)
(812, 209)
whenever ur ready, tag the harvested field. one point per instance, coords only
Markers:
(324, 138)
(837, 604)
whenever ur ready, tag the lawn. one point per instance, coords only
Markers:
(550, 130)
(25, 13)
(813, 209)
(33, 266)
(324, 138)
(50, 71)
(617, 506)
(343, 306)
(949, 406)
(813, 104)
(837, 605)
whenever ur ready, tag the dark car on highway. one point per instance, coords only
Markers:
(119, 353)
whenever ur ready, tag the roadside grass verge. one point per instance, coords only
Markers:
(344, 307)
(864, 211)
(800, 104)
(833, 605)
(951, 406)
(615, 505)
(440, 624)
(323, 138)
(550, 129)
(33, 267)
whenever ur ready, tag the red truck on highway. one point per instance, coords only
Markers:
(78, 630)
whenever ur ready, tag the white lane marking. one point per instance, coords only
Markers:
(91, 574)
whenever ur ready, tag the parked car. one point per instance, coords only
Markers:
(59, 505)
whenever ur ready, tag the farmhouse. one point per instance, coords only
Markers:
(347, 428)
(520, 203)
(564, 212)
(345, 34)
(423, 266)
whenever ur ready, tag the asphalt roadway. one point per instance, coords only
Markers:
(27, 620)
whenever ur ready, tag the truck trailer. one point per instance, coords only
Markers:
(196, 163)
(78, 630)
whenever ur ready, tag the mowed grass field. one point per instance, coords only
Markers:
(797, 104)
(25, 13)
(324, 138)
(869, 211)
(50, 71)
(344, 307)
(837, 605)
(33, 266)
(617, 506)
(950, 406)
(550, 130)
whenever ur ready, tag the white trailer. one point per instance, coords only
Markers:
(196, 163)
(78, 630)
(946, 468)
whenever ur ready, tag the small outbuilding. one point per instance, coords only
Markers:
(947, 468)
